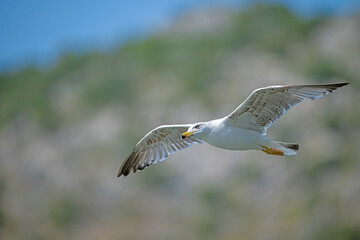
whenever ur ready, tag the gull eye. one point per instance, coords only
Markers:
(197, 126)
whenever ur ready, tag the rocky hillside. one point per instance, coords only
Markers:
(64, 132)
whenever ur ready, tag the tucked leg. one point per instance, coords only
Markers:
(272, 151)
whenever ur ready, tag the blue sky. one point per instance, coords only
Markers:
(38, 31)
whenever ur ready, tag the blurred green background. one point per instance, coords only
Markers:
(64, 131)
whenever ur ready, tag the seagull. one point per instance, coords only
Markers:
(243, 129)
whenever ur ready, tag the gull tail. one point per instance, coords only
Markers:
(287, 148)
(280, 148)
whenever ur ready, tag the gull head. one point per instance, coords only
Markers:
(197, 129)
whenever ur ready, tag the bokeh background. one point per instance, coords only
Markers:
(81, 83)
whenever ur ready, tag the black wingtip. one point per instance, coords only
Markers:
(123, 172)
(333, 87)
(127, 165)
(330, 87)
(340, 84)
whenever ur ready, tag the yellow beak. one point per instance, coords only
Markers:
(187, 134)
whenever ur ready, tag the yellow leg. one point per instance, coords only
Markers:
(272, 151)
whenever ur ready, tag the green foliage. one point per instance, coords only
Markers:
(2, 214)
(340, 232)
(189, 73)
(248, 173)
(64, 212)
(156, 179)
(270, 28)
(112, 79)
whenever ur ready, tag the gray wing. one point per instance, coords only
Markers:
(266, 105)
(156, 146)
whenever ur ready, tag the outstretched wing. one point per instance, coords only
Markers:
(266, 105)
(156, 146)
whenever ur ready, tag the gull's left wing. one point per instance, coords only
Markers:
(156, 146)
(266, 105)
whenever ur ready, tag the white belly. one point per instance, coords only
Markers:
(234, 138)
